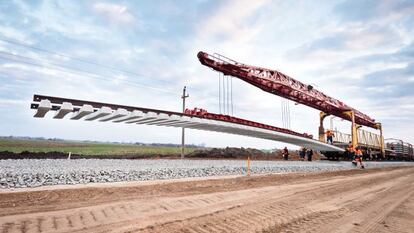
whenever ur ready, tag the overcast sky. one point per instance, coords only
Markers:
(142, 53)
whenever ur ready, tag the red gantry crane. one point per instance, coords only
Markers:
(277, 83)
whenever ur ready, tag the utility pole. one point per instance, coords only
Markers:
(184, 96)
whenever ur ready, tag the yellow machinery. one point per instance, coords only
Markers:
(358, 137)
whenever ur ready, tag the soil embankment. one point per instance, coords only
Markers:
(214, 153)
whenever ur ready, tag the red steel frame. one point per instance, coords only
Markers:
(277, 83)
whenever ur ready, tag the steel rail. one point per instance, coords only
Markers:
(206, 121)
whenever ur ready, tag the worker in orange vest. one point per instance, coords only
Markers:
(329, 136)
(358, 157)
(350, 151)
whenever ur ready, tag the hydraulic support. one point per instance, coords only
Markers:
(354, 128)
(379, 126)
(322, 116)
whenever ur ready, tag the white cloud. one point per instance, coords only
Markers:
(15, 34)
(12, 102)
(114, 13)
(230, 21)
(48, 19)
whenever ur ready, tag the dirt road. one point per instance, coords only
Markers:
(374, 200)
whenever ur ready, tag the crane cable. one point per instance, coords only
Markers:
(285, 113)
(231, 92)
(228, 95)
(225, 92)
(219, 93)
(224, 95)
(288, 113)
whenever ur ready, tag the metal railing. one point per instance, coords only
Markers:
(365, 138)
(221, 58)
(399, 147)
(369, 139)
(341, 137)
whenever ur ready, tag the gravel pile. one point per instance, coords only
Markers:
(39, 172)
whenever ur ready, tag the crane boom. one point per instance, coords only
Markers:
(277, 83)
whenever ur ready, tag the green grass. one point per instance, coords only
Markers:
(18, 146)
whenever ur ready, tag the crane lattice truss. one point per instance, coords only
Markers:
(277, 83)
(194, 119)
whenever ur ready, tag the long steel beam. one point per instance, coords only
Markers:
(104, 112)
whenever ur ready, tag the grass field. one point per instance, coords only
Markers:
(18, 146)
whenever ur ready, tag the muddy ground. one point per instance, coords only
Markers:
(373, 200)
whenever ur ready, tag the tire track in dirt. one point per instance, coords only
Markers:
(273, 213)
(402, 215)
(302, 206)
(359, 215)
(121, 212)
(54, 198)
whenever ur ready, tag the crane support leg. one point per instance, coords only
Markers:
(379, 126)
(322, 116)
(354, 128)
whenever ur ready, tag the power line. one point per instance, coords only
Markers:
(70, 57)
(8, 40)
(74, 71)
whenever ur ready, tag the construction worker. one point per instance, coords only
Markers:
(309, 154)
(358, 157)
(285, 153)
(369, 154)
(329, 136)
(351, 151)
(302, 153)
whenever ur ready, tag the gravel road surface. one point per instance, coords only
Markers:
(40, 172)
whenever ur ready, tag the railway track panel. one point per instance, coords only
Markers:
(105, 112)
